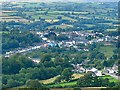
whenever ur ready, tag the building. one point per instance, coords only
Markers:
(95, 71)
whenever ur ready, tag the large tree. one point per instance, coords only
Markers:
(67, 74)
(33, 84)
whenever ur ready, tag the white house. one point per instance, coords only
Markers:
(95, 71)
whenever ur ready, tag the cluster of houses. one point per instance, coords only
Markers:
(112, 71)
(76, 38)
(80, 69)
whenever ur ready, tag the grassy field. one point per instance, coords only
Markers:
(110, 24)
(50, 16)
(6, 32)
(111, 79)
(107, 50)
(51, 80)
(71, 83)
(111, 30)
(89, 25)
(84, 17)
(62, 12)
(77, 76)
(60, 26)
(52, 21)
(64, 84)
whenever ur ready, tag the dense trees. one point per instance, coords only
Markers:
(61, 37)
(67, 74)
(15, 63)
(46, 57)
(15, 38)
(20, 68)
(97, 55)
(33, 84)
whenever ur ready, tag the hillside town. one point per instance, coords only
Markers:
(74, 39)
(58, 45)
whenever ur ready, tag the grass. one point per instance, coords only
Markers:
(84, 17)
(110, 24)
(51, 21)
(51, 80)
(77, 76)
(91, 88)
(60, 26)
(8, 11)
(111, 79)
(14, 18)
(62, 12)
(64, 84)
(107, 50)
(89, 25)
(109, 30)
(54, 17)
(6, 32)
(51, 14)
(67, 18)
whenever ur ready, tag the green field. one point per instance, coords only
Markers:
(60, 26)
(51, 80)
(64, 84)
(111, 79)
(107, 50)
(50, 16)
(111, 30)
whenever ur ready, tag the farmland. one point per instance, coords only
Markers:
(51, 80)
(59, 45)
(47, 11)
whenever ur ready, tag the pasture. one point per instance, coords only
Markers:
(51, 80)
(111, 79)
(107, 50)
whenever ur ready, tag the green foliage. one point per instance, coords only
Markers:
(61, 37)
(18, 69)
(46, 57)
(12, 83)
(97, 55)
(90, 80)
(33, 84)
(16, 39)
(58, 80)
(13, 64)
(67, 74)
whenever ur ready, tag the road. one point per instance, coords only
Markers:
(8, 54)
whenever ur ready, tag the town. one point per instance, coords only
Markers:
(74, 39)
(70, 45)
